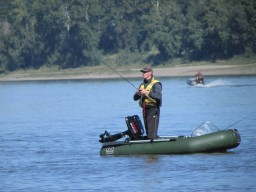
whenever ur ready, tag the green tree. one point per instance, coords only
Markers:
(72, 33)
(79, 45)
(249, 26)
(164, 27)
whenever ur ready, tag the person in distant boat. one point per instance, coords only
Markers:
(199, 78)
(149, 95)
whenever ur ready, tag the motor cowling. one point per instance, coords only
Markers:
(135, 127)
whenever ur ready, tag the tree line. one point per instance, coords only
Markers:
(74, 33)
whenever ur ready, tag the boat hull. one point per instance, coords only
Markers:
(192, 82)
(214, 142)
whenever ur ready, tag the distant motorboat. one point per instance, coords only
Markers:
(193, 82)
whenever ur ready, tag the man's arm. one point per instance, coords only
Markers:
(136, 96)
(156, 92)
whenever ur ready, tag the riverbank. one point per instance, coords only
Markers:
(104, 72)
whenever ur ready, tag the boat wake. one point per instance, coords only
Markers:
(218, 82)
(215, 83)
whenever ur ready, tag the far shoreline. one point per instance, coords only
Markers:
(101, 73)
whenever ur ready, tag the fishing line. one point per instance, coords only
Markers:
(120, 75)
(236, 122)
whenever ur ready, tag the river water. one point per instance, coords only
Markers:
(49, 136)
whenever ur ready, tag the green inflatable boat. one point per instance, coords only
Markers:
(214, 142)
(204, 139)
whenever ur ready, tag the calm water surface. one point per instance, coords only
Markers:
(49, 136)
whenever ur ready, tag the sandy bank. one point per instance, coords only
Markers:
(248, 69)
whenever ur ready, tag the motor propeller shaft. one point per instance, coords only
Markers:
(106, 137)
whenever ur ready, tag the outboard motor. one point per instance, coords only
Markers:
(135, 127)
(135, 130)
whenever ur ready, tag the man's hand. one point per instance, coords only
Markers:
(144, 92)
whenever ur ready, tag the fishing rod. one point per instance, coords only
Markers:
(120, 75)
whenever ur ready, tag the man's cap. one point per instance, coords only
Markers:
(146, 69)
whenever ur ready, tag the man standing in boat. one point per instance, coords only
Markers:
(149, 95)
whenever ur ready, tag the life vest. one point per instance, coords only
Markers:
(148, 100)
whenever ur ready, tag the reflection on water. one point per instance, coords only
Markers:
(151, 158)
(49, 136)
